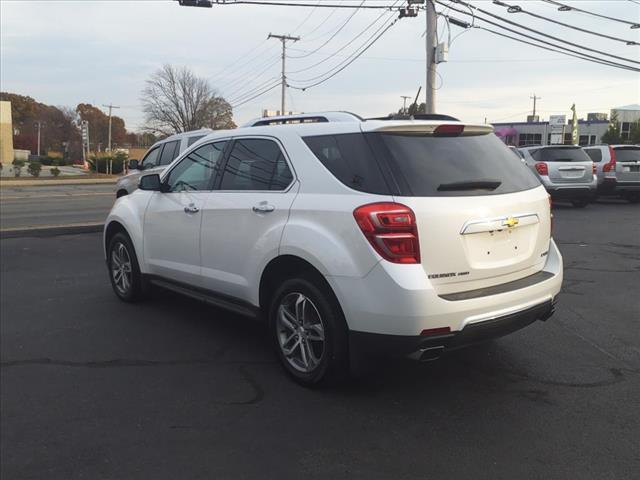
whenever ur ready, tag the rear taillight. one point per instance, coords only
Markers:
(391, 230)
(611, 166)
(542, 168)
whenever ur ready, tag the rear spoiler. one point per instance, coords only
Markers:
(437, 130)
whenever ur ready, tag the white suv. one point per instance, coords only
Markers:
(157, 158)
(348, 236)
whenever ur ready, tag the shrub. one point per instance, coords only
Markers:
(117, 163)
(55, 171)
(34, 169)
(17, 167)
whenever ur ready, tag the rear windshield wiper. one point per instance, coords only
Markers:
(470, 185)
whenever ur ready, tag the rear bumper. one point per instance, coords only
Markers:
(429, 348)
(400, 301)
(613, 186)
(570, 191)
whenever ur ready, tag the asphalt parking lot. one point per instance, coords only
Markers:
(94, 388)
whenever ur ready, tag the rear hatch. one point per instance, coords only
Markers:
(483, 218)
(566, 164)
(627, 163)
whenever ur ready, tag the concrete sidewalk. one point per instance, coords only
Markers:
(58, 181)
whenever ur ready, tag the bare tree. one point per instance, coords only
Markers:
(175, 100)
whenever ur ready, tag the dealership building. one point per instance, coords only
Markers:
(558, 128)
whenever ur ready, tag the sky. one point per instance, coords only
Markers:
(77, 51)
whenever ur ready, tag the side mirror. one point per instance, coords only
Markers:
(151, 182)
(133, 165)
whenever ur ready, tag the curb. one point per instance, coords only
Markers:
(71, 181)
(51, 230)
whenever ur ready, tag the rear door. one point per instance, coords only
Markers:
(566, 164)
(627, 163)
(483, 218)
(244, 217)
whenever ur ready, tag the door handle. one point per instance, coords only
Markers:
(263, 208)
(191, 209)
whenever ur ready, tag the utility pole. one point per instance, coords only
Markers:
(534, 98)
(404, 106)
(39, 124)
(283, 39)
(431, 39)
(110, 107)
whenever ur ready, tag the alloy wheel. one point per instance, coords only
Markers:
(121, 268)
(301, 332)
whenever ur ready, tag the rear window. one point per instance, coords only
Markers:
(595, 154)
(560, 155)
(627, 154)
(412, 165)
(456, 166)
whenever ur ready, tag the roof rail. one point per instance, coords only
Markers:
(320, 117)
(417, 116)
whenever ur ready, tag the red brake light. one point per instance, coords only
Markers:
(611, 166)
(391, 230)
(542, 168)
(448, 130)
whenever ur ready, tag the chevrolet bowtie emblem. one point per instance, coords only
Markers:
(511, 222)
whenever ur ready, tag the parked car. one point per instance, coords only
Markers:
(157, 158)
(566, 171)
(348, 237)
(618, 170)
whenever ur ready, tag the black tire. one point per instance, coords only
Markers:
(135, 289)
(333, 364)
(633, 197)
(580, 203)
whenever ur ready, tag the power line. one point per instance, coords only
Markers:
(535, 31)
(334, 54)
(518, 9)
(566, 8)
(256, 95)
(587, 58)
(289, 4)
(332, 36)
(384, 24)
(352, 60)
(557, 48)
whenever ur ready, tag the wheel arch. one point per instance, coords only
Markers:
(283, 267)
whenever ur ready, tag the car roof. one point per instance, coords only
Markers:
(181, 135)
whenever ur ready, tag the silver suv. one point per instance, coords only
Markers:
(618, 170)
(566, 171)
(157, 158)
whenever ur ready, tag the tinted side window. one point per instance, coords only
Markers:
(193, 140)
(350, 159)
(169, 152)
(197, 170)
(256, 164)
(595, 154)
(151, 158)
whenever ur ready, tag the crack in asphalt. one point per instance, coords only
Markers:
(123, 362)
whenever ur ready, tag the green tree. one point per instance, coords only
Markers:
(612, 135)
(634, 134)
